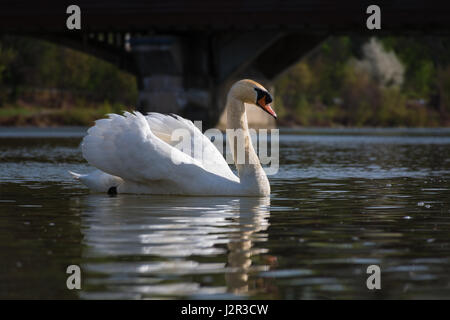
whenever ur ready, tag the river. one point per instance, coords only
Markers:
(343, 199)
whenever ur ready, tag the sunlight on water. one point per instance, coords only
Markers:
(342, 200)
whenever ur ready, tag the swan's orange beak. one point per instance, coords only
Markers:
(265, 105)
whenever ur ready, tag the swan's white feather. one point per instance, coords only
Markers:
(98, 181)
(137, 149)
(209, 156)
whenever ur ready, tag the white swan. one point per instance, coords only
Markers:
(134, 153)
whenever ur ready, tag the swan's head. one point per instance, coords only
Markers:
(251, 92)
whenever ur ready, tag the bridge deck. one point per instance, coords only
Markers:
(141, 15)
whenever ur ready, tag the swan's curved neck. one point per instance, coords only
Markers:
(247, 163)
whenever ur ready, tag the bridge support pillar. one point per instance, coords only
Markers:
(190, 74)
(173, 76)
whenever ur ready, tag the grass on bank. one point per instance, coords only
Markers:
(24, 115)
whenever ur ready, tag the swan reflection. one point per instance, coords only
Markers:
(158, 247)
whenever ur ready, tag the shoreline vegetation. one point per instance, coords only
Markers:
(24, 115)
(369, 82)
(344, 82)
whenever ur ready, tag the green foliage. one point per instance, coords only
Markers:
(330, 88)
(39, 116)
(6, 56)
(444, 89)
(34, 72)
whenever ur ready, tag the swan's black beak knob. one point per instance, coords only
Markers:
(263, 100)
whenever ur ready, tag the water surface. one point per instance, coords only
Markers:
(342, 200)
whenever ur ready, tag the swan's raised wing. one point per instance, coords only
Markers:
(168, 127)
(125, 146)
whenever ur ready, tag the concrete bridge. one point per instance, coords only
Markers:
(185, 54)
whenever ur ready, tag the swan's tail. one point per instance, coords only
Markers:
(75, 175)
(98, 181)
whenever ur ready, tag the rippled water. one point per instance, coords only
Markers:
(342, 200)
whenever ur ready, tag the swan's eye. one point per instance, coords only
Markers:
(263, 98)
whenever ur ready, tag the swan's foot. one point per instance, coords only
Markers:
(112, 191)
